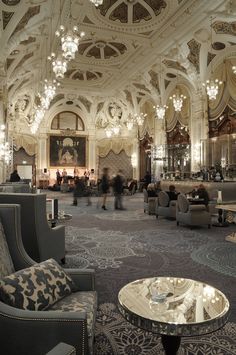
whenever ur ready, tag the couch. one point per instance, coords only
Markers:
(71, 320)
(40, 240)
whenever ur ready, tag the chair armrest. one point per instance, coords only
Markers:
(83, 279)
(36, 332)
(197, 208)
(62, 349)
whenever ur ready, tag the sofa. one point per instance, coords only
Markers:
(40, 240)
(24, 330)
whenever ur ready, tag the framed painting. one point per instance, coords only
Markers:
(67, 151)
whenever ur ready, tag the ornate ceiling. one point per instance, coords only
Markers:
(131, 48)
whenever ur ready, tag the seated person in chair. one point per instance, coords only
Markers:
(172, 193)
(203, 194)
(151, 190)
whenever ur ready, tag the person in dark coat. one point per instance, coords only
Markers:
(147, 179)
(118, 184)
(79, 189)
(203, 194)
(172, 193)
(14, 176)
(104, 186)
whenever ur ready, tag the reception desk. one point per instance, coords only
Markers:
(227, 188)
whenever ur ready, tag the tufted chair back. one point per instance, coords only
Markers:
(163, 199)
(183, 204)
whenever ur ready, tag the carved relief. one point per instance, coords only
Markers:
(101, 49)
(174, 65)
(139, 10)
(225, 27)
(85, 102)
(32, 11)
(6, 17)
(193, 56)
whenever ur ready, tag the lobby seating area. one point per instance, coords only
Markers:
(25, 327)
(90, 244)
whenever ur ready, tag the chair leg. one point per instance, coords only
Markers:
(156, 216)
(177, 222)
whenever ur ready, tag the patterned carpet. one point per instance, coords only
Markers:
(123, 246)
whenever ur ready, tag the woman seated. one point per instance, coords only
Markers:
(151, 190)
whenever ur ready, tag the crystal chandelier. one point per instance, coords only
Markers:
(69, 41)
(97, 2)
(140, 118)
(178, 100)
(130, 123)
(59, 65)
(212, 85)
(212, 88)
(160, 111)
(50, 88)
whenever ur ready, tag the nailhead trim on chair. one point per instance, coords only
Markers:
(52, 320)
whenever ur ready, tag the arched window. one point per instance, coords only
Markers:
(67, 120)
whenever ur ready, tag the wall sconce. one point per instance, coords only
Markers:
(134, 160)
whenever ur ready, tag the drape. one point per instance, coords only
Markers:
(227, 91)
(26, 142)
(116, 145)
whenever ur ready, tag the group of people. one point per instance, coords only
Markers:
(154, 188)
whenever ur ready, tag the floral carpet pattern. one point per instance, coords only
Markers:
(123, 246)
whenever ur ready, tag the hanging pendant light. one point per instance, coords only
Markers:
(212, 85)
(178, 100)
(59, 66)
(140, 118)
(212, 88)
(69, 38)
(160, 111)
(234, 69)
(97, 2)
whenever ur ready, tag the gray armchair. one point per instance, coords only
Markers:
(41, 242)
(36, 332)
(62, 349)
(192, 215)
(149, 203)
(164, 206)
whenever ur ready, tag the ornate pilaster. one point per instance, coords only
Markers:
(199, 132)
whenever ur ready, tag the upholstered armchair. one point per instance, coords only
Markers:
(149, 203)
(192, 215)
(70, 320)
(41, 242)
(164, 206)
(62, 349)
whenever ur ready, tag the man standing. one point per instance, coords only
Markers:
(118, 183)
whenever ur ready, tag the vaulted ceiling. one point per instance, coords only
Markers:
(129, 45)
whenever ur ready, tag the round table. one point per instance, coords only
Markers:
(173, 307)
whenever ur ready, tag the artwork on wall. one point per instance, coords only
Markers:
(67, 151)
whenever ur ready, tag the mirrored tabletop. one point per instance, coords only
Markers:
(174, 306)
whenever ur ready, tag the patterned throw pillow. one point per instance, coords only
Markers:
(6, 265)
(37, 287)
